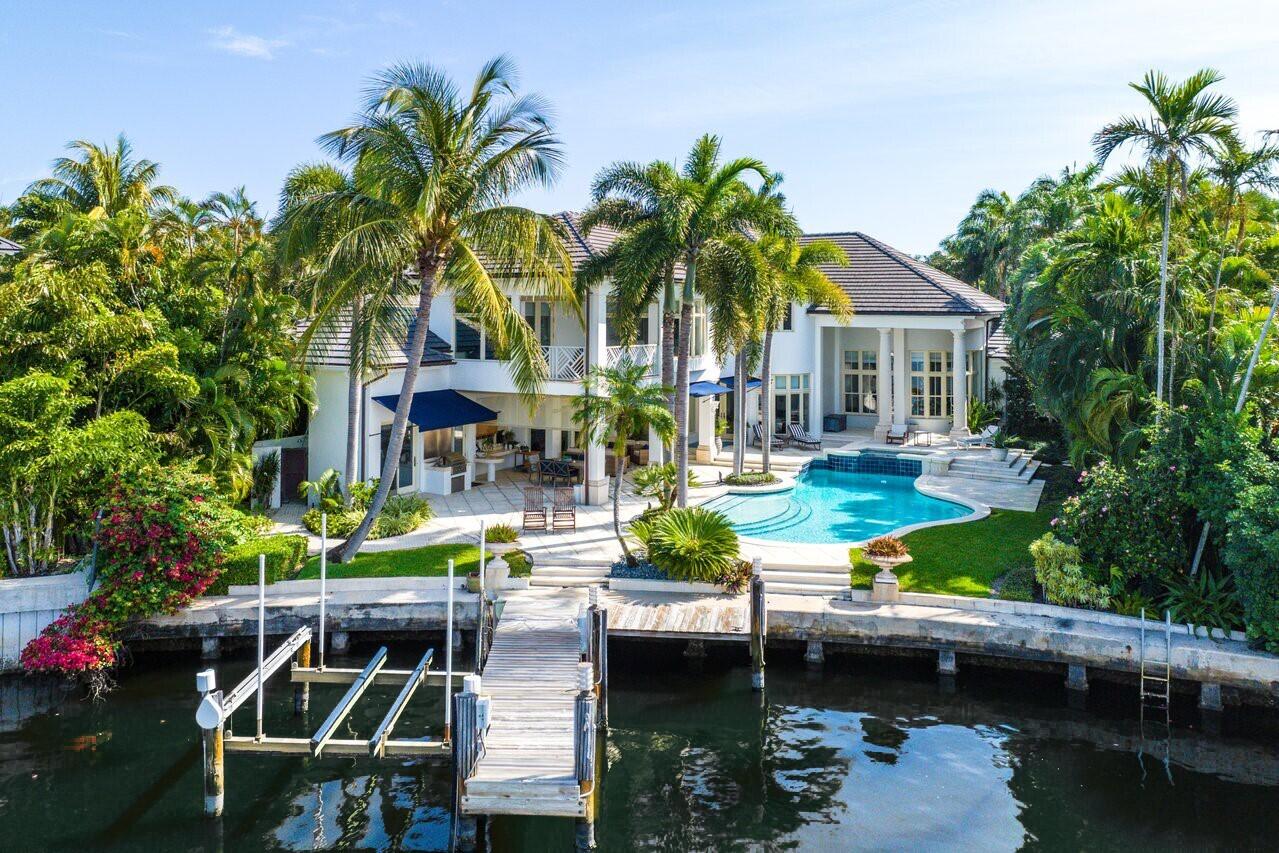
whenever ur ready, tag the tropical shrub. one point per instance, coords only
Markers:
(401, 514)
(341, 523)
(520, 562)
(885, 546)
(501, 533)
(1252, 554)
(325, 492)
(692, 544)
(163, 537)
(736, 578)
(266, 471)
(980, 414)
(1018, 584)
(661, 482)
(751, 478)
(1205, 599)
(1128, 520)
(284, 557)
(1058, 570)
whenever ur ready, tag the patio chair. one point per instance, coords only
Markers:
(564, 510)
(774, 442)
(981, 439)
(534, 508)
(803, 439)
(557, 471)
(897, 434)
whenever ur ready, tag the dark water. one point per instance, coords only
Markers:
(865, 754)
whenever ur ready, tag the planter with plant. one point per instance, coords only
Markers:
(999, 446)
(501, 539)
(887, 552)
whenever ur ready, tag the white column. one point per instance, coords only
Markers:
(468, 450)
(815, 389)
(655, 448)
(901, 393)
(596, 485)
(884, 391)
(707, 408)
(959, 422)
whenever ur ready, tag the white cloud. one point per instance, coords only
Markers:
(243, 44)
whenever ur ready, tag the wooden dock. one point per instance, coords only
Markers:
(527, 766)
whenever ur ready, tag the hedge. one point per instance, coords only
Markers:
(285, 555)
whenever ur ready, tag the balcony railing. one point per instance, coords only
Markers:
(566, 363)
(643, 354)
(569, 363)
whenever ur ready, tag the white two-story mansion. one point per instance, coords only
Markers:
(920, 344)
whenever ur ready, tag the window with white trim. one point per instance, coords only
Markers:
(932, 383)
(698, 343)
(861, 381)
(790, 401)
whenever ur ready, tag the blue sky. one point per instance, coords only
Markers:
(885, 117)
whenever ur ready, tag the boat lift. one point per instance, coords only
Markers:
(214, 712)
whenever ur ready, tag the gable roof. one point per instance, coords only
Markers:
(8, 247)
(882, 280)
(330, 346)
(582, 246)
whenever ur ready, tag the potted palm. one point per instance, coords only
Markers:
(999, 446)
(886, 552)
(501, 539)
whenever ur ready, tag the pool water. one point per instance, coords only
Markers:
(829, 506)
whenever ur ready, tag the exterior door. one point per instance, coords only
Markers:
(292, 472)
(405, 468)
(790, 401)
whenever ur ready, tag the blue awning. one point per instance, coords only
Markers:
(440, 409)
(706, 389)
(751, 383)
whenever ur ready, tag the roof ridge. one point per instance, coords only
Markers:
(899, 257)
(567, 216)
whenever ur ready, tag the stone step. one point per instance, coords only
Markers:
(822, 579)
(783, 588)
(567, 580)
(569, 569)
(826, 569)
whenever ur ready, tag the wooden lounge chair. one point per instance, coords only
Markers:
(534, 508)
(775, 442)
(564, 510)
(803, 439)
(897, 434)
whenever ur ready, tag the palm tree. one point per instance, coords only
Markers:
(1237, 169)
(434, 169)
(236, 213)
(642, 261)
(185, 221)
(988, 241)
(627, 404)
(793, 272)
(102, 177)
(363, 302)
(706, 203)
(1185, 119)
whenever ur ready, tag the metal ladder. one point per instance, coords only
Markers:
(1155, 689)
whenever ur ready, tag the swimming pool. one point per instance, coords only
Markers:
(839, 500)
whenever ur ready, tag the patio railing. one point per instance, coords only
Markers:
(643, 354)
(566, 363)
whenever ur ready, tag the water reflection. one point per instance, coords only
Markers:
(858, 755)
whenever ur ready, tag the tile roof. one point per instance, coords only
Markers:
(582, 245)
(882, 280)
(329, 346)
(8, 247)
(999, 343)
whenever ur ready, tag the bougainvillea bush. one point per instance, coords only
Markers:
(162, 540)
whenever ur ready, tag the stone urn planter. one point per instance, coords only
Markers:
(999, 454)
(501, 548)
(496, 572)
(885, 586)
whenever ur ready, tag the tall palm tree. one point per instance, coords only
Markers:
(628, 404)
(434, 169)
(707, 203)
(103, 177)
(642, 261)
(364, 303)
(1238, 169)
(794, 275)
(1185, 119)
(989, 240)
(185, 221)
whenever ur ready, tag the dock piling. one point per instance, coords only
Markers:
(466, 751)
(324, 571)
(759, 623)
(448, 661)
(302, 690)
(209, 718)
(261, 633)
(584, 752)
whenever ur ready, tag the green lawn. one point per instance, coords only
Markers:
(428, 561)
(963, 559)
